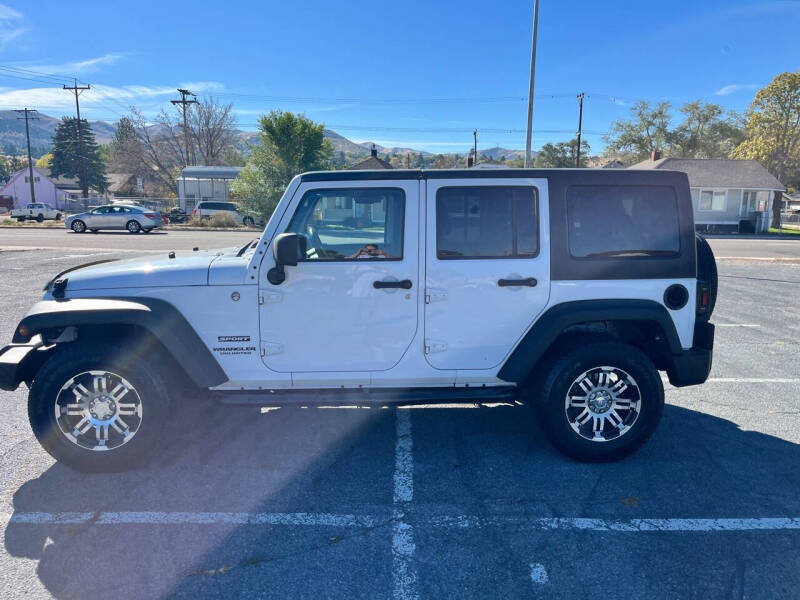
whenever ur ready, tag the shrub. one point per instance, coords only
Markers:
(222, 219)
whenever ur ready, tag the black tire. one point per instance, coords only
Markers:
(142, 373)
(147, 229)
(58, 216)
(21, 219)
(95, 230)
(78, 226)
(561, 377)
(39, 218)
(248, 222)
(133, 226)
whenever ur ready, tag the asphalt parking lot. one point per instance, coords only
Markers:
(423, 502)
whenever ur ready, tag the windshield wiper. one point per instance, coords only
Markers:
(617, 253)
(246, 246)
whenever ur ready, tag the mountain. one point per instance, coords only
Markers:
(12, 132)
(12, 141)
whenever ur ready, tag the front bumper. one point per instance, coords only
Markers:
(15, 363)
(692, 366)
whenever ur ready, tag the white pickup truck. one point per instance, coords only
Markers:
(36, 211)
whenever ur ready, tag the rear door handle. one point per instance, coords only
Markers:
(529, 282)
(385, 285)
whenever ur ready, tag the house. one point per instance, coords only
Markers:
(196, 184)
(727, 195)
(373, 162)
(63, 193)
(123, 184)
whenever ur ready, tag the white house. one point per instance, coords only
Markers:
(59, 192)
(728, 195)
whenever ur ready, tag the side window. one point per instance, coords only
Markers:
(608, 221)
(487, 222)
(351, 223)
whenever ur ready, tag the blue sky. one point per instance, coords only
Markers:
(418, 74)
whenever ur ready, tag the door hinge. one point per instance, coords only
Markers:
(434, 295)
(271, 348)
(270, 298)
(434, 346)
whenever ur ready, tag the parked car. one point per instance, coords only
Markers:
(115, 216)
(208, 208)
(567, 289)
(36, 211)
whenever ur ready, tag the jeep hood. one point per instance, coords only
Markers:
(157, 270)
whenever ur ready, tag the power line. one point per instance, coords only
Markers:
(27, 118)
(184, 105)
(84, 179)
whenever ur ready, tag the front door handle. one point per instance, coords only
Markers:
(529, 282)
(385, 285)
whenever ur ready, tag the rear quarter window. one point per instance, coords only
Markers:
(607, 221)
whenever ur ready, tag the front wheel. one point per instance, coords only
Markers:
(601, 401)
(95, 412)
(39, 218)
(248, 222)
(78, 226)
(133, 226)
(58, 216)
(147, 229)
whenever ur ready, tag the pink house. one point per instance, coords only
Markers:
(59, 192)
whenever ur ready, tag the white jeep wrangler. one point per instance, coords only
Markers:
(570, 289)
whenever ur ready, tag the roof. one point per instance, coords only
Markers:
(117, 181)
(62, 183)
(718, 172)
(512, 173)
(373, 162)
(211, 172)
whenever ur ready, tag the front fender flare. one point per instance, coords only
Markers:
(161, 319)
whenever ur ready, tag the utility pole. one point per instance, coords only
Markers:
(184, 103)
(475, 145)
(82, 158)
(530, 89)
(27, 118)
(580, 126)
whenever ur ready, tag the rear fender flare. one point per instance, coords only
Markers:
(558, 318)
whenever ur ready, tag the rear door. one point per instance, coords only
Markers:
(350, 305)
(487, 268)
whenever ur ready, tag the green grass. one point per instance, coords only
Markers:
(785, 231)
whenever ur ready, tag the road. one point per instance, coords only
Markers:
(425, 502)
(59, 239)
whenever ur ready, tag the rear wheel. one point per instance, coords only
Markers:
(133, 226)
(147, 229)
(39, 218)
(21, 219)
(248, 222)
(78, 226)
(58, 216)
(601, 401)
(95, 412)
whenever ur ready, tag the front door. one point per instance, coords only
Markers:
(350, 305)
(487, 268)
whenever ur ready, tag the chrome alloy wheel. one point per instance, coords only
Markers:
(98, 410)
(602, 404)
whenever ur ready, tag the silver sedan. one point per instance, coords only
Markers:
(115, 216)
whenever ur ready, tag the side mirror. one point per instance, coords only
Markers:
(286, 250)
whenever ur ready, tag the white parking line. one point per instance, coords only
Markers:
(665, 379)
(404, 576)
(736, 325)
(631, 525)
(189, 518)
(539, 573)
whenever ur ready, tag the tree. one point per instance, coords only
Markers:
(44, 161)
(212, 129)
(67, 161)
(290, 144)
(5, 175)
(773, 133)
(562, 154)
(645, 132)
(706, 132)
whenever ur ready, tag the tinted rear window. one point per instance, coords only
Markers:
(486, 222)
(622, 221)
